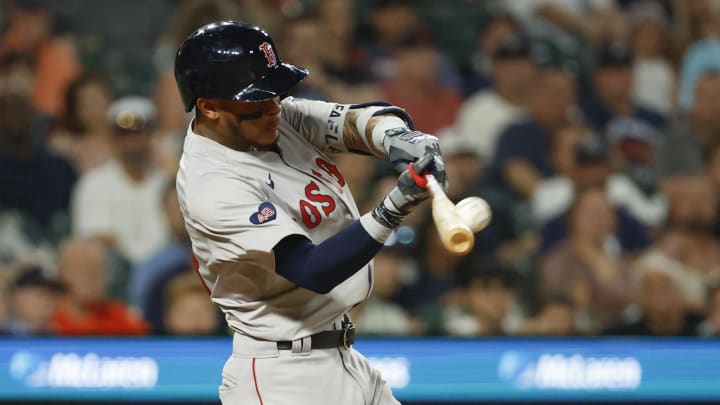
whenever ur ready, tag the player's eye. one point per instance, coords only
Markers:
(250, 116)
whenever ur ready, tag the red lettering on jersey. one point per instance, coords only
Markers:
(331, 169)
(310, 214)
(269, 54)
(327, 203)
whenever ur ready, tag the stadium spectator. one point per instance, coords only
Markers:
(491, 300)
(484, 115)
(634, 186)
(588, 266)
(186, 309)
(342, 59)
(462, 163)
(361, 173)
(20, 243)
(440, 274)
(580, 160)
(54, 59)
(31, 302)
(584, 161)
(302, 41)
(484, 308)
(148, 277)
(663, 310)
(570, 24)
(690, 281)
(712, 172)
(379, 315)
(35, 184)
(688, 237)
(84, 136)
(301, 38)
(555, 317)
(465, 167)
(653, 83)
(432, 105)
(84, 309)
(701, 19)
(711, 325)
(700, 58)
(120, 202)
(612, 96)
(683, 147)
(16, 75)
(522, 157)
(389, 22)
(495, 30)
(694, 21)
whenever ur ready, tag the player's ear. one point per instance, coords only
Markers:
(208, 108)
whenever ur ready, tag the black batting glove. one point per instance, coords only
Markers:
(410, 191)
(404, 146)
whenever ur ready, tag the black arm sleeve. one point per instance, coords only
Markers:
(321, 267)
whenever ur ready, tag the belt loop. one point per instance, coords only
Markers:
(301, 347)
(247, 346)
(348, 336)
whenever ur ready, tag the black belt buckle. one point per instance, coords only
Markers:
(348, 334)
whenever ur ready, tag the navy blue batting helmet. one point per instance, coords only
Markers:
(230, 60)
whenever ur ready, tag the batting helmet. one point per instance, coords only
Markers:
(232, 61)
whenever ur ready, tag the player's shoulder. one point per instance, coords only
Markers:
(296, 106)
(292, 101)
(211, 193)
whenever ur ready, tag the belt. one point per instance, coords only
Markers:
(328, 339)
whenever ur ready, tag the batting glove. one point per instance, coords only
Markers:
(409, 192)
(404, 146)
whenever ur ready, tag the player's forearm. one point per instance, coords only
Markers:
(365, 128)
(322, 267)
(353, 139)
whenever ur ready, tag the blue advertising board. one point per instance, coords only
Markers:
(167, 369)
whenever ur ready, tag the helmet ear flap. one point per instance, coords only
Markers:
(231, 60)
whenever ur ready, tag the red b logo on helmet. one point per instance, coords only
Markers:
(269, 54)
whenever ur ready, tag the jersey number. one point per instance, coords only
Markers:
(317, 201)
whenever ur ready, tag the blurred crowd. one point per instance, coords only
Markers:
(591, 127)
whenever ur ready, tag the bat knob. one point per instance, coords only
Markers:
(459, 239)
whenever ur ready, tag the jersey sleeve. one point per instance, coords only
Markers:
(236, 217)
(319, 122)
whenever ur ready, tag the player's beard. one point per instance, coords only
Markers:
(255, 132)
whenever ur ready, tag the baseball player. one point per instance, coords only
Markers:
(277, 237)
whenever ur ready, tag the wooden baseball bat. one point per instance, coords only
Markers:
(454, 234)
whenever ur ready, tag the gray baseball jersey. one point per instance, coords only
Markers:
(239, 205)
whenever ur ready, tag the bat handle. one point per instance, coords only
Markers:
(454, 234)
(433, 186)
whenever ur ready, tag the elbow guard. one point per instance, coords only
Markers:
(379, 108)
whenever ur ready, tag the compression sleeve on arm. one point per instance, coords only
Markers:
(321, 267)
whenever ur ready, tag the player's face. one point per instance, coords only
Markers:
(257, 122)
